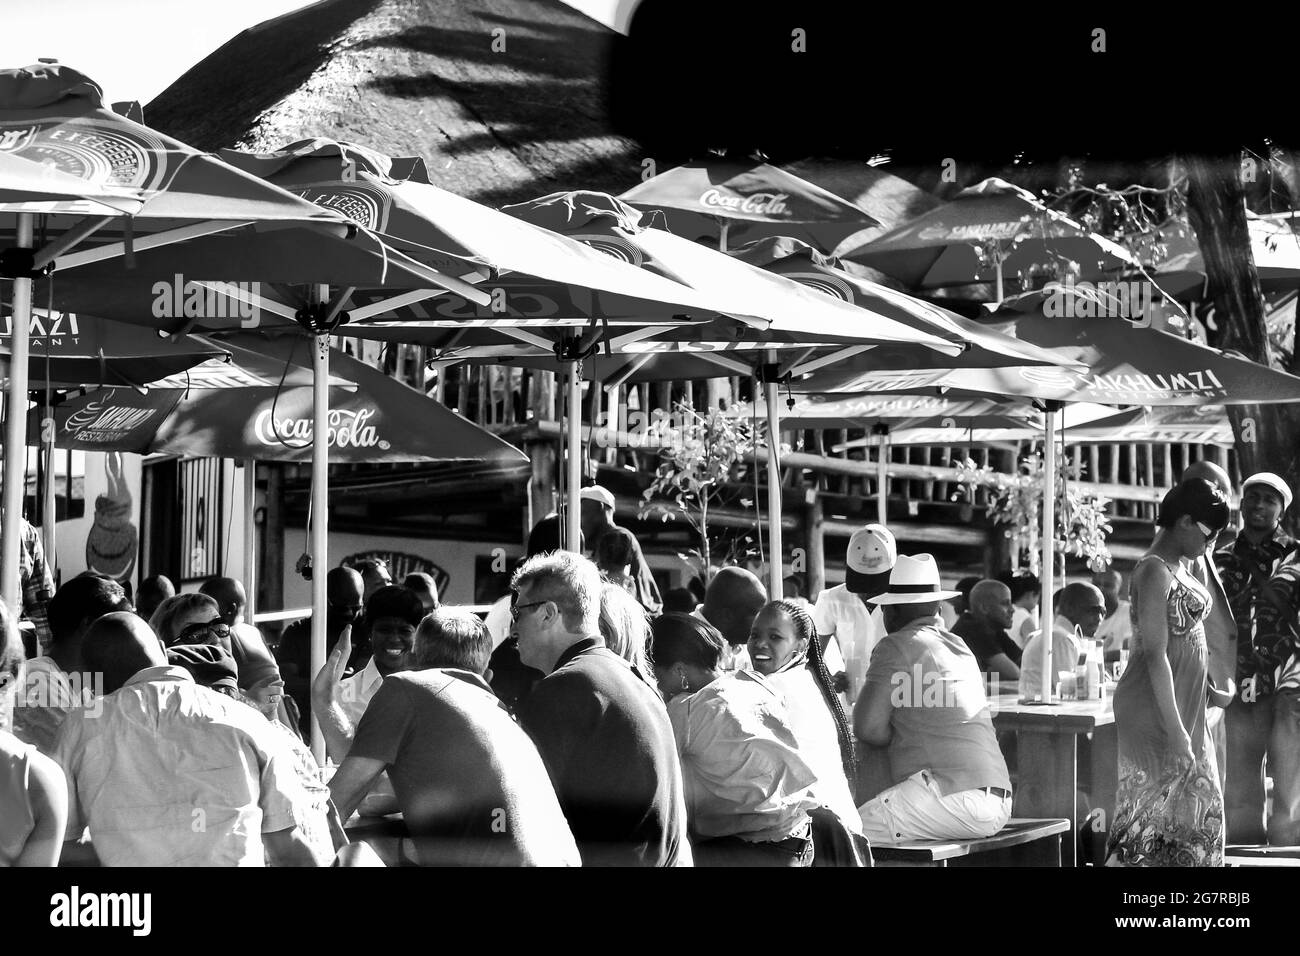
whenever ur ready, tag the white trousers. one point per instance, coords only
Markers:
(916, 810)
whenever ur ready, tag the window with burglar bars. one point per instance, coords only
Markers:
(202, 517)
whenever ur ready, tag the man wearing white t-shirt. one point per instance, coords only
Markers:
(844, 612)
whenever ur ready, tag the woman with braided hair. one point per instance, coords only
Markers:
(784, 647)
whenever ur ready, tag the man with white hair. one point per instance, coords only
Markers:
(602, 730)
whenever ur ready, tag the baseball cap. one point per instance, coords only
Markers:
(597, 493)
(1270, 480)
(871, 556)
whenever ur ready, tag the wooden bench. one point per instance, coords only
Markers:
(1250, 855)
(1020, 843)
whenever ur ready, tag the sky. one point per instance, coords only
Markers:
(135, 49)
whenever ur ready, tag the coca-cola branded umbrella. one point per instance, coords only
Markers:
(380, 420)
(987, 232)
(54, 116)
(736, 203)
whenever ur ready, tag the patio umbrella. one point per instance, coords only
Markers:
(804, 330)
(35, 187)
(380, 420)
(737, 288)
(1274, 246)
(1126, 365)
(51, 115)
(986, 232)
(735, 203)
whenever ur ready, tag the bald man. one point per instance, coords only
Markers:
(1220, 630)
(167, 773)
(731, 602)
(257, 666)
(1080, 608)
(984, 629)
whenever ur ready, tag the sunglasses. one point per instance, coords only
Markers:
(515, 609)
(1210, 534)
(200, 632)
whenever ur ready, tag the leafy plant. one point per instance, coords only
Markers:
(1017, 500)
(700, 456)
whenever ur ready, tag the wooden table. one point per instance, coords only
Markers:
(1048, 755)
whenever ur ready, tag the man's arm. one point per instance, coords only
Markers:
(1004, 667)
(352, 781)
(871, 716)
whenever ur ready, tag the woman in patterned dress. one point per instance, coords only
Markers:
(1169, 808)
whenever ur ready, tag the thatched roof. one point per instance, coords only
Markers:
(420, 78)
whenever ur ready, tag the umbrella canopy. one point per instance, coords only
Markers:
(53, 115)
(380, 421)
(1125, 365)
(69, 351)
(706, 350)
(37, 187)
(987, 232)
(734, 203)
(897, 411)
(1274, 246)
(548, 272)
(1189, 424)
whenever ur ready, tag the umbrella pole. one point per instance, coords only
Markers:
(15, 450)
(250, 538)
(776, 563)
(882, 476)
(573, 462)
(319, 509)
(1048, 568)
(48, 502)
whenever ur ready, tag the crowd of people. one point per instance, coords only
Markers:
(590, 720)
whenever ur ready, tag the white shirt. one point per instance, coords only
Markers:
(357, 690)
(1117, 630)
(819, 741)
(174, 774)
(857, 629)
(1065, 657)
(1023, 622)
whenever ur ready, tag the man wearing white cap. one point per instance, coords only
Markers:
(924, 700)
(845, 613)
(598, 517)
(1261, 575)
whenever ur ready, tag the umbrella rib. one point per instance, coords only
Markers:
(825, 360)
(395, 302)
(232, 291)
(115, 249)
(628, 338)
(462, 289)
(729, 364)
(74, 235)
(527, 337)
(628, 371)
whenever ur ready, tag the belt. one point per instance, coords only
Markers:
(996, 791)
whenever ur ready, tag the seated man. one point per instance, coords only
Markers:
(153, 591)
(425, 587)
(984, 629)
(343, 608)
(471, 784)
(1080, 609)
(1116, 630)
(167, 773)
(924, 700)
(53, 685)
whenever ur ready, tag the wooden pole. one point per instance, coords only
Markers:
(815, 544)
